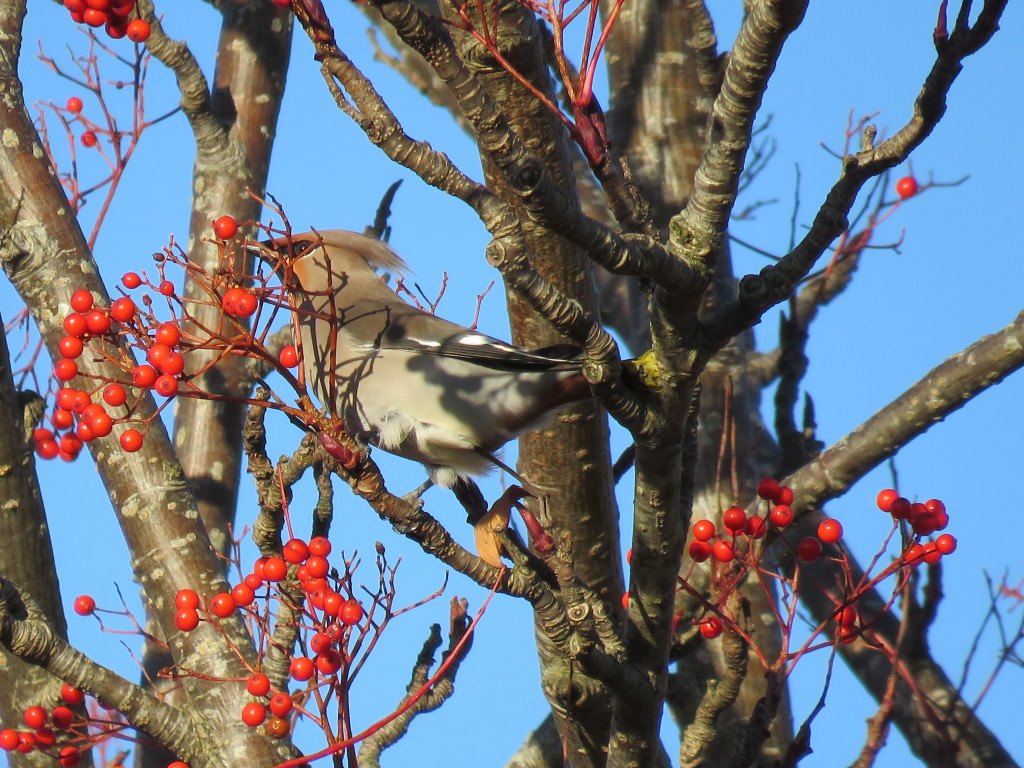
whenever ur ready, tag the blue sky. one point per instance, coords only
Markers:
(955, 278)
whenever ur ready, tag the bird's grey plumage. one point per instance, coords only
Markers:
(413, 383)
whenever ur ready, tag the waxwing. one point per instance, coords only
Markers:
(404, 379)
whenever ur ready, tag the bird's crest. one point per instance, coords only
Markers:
(376, 253)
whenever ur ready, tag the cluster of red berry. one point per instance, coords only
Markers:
(77, 418)
(42, 736)
(737, 523)
(84, 324)
(331, 619)
(924, 520)
(113, 15)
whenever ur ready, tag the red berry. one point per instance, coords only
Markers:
(319, 545)
(65, 370)
(186, 619)
(768, 488)
(300, 669)
(333, 603)
(47, 449)
(70, 444)
(88, 138)
(138, 30)
(281, 704)
(41, 434)
(253, 582)
(317, 566)
(69, 757)
(187, 598)
(808, 549)
(755, 527)
(116, 31)
(173, 364)
(931, 553)
(938, 511)
(131, 440)
(84, 432)
(253, 714)
(70, 347)
(45, 737)
(900, 508)
(946, 544)
(222, 605)
(8, 739)
(71, 695)
(277, 728)
(830, 531)
(781, 516)
(84, 605)
(166, 385)
(351, 612)
(74, 105)
(74, 324)
(734, 518)
(289, 357)
(167, 334)
(847, 617)
(131, 280)
(122, 310)
(699, 550)
(101, 425)
(166, 288)
(258, 685)
(225, 227)
(81, 300)
(723, 551)
(237, 301)
(35, 717)
(784, 496)
(319, 643)
(329, 662)
(68, 397)
(157, 353)
(144, 376)
(885, 499)
(923, 523)
(275, 569)
(115, 395)
(703, 530)
(914, 554)
(26, 741)
(62, 419)
(907, 187)
(99, 5)
(243, 595)
(711, 627)
(295, 551)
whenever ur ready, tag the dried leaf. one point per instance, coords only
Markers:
(494, 522)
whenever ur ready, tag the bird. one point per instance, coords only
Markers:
(403, 379)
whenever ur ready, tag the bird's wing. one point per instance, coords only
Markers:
(414, 330)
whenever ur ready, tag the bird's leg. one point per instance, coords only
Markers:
(415, 496)
(469, 496)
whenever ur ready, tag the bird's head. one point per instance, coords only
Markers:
(325, 260)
